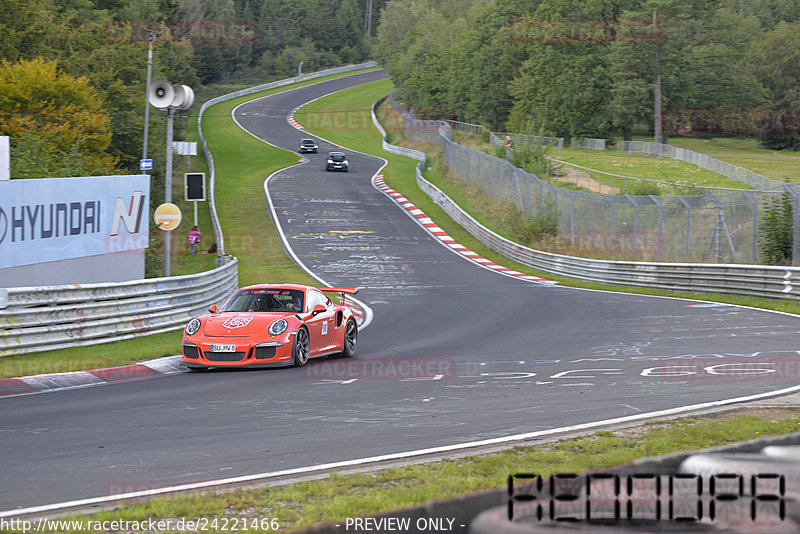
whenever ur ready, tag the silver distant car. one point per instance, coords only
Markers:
(308, 145)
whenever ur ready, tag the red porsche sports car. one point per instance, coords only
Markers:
(270, 326)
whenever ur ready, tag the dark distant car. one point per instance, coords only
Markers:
(337, 161)
(308, 145)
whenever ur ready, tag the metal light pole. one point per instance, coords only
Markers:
(151, 37)
(168, 188)
(169, 98)
(368, 18)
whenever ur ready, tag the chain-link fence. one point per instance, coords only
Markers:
(701, 160)
(715, 227)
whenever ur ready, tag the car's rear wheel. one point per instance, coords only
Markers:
(350, 338)
(300, 349)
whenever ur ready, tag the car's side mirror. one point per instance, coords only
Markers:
(319, 308)
(213, 308)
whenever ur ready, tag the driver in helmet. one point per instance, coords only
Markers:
(296, 304)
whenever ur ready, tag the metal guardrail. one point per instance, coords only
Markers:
(37, 319)
(753, 280)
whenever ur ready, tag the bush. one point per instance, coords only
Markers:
(781, 141)
(535, 230)
(642, 188)
(776, 231)
(531, 158)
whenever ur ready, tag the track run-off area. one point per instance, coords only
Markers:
(455, 356)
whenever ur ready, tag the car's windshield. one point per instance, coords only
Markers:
(265, 300)
(337, 157)
(308, 142)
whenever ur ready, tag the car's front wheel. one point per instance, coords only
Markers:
(350, 338)
(300, 349)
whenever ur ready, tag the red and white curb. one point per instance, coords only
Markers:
(358, 313)
(79, 379)
(169, 365)
(291, 118)
(440, 234)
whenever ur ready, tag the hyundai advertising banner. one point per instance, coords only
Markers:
(51, 219)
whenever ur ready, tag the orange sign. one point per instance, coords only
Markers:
(167, 216)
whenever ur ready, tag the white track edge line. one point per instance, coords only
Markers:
(384, 458)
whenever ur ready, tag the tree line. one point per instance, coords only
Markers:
(72, 72)
(587, 68)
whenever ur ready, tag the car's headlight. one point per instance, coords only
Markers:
(278, 327)
(193, 327)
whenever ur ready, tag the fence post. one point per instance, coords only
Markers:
(523, 207)
(688, 225)
(611, 223)
(795, 224)
(635, 221)
(571, 217)
(754, 251)
(660, 225)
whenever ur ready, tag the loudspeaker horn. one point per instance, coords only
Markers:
(161, 94)
(184, 97)
(189, 100)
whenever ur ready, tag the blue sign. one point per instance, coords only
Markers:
(146, 164)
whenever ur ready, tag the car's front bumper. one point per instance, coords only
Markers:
(198, 354)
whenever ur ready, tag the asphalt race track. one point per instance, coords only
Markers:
(455, 353)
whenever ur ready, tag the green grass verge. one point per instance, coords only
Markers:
(339, 496)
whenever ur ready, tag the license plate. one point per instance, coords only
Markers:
(223, 348)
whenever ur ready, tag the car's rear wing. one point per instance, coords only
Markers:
(348, 290)
(343, 290)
